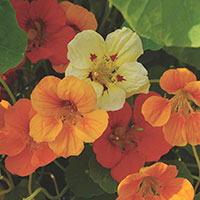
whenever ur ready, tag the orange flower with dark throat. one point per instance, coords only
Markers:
(125, 149)
(24, 155)
(157, 182)
(66, 117)
(178, 116)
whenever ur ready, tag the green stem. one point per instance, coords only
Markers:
(56, 186)
(3, 178)
(4, 84)
(198, 164)
(154, 81)
(8, 175)
(41, 189)
(29, 184)
(59, 165)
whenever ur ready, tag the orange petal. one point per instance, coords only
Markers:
(156, 110)
(65, 5)
(174, 130)
(79, 92)
(44, 96)
(129, 186)
(92, 126)
(78, 16)
(178, 189)
(3, 107)
(21, 163)
(17, 118)
(194, 90)
(67, 143)
(192, 127)
(175, 79)
(44, 129)
(61, 68)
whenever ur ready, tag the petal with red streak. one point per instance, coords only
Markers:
(174, 130)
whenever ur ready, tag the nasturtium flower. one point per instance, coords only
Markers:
(79, 18)
(179, 116)
(125, 149)
(44, 22)
(4, 105)
(24, 154)
(66, 117)
(110, 66)
(156, 182)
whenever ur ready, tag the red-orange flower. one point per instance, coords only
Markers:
(4, 105)
(178, 115)
(157, 182)
(79, 19)
(125, 150)
(24, 155)
(45, 24)
(66, 117)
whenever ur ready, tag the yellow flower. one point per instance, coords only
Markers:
(110, 65)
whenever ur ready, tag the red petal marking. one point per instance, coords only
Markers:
(120, 78)
(113, 57)
(93, 57)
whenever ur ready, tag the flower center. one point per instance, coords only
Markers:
(36, 34)
(32, 144)
(69, 113)
(148, 188)
(104, 70)
(180, 103)
(124, 138)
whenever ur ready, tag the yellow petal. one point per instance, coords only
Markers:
(92, 126)
(85, 44)
(126, 44)
(44, 129)
(79, 92)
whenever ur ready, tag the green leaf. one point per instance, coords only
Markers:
(197, 197)
(183, 171)
(21, 191)
(13, 40)
(188, 56)
(146, 43)
(77, 176)
(190, 151)
(169, 23)
(101, 176)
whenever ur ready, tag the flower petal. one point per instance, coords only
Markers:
(179, 189)
(67, 143)
(92, 125)
(138, 117)
(107, 154)
(44, 129)
(44, 97)
(194, 90)
(156, 110)
(152, 143)
(120, 118)
(4, 105)
(174, 130)
(85, 44)
(21, 163)
(192, 127)
(134, 80)
(130, 163)
(112, 99)
(79, 92)
(126, 44)
(175, 79)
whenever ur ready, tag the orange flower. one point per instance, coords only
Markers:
(66, 117)
(79, 19)
(4, 105)
(24, 155)
(157, 182)
(178, 115)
